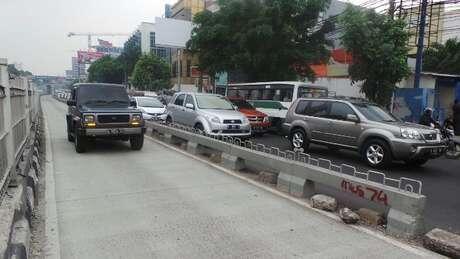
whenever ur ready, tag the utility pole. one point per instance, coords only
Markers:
(421, 38)
(179, 69)
(392, 9)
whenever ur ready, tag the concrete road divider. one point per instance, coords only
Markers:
(400, 200)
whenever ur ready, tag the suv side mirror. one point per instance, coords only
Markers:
(190, 106)
(71, 102)
(353, 118)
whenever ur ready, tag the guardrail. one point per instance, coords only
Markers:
(400, 200)
(19, 107)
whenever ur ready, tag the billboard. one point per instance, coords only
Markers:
(87, 57)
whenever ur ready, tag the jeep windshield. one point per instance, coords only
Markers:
(213, 102)
(374, 112)
(102, 96)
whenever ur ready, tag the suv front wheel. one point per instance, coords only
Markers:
(137, 142)
(80, 143)
(376, 153)
(299, 141)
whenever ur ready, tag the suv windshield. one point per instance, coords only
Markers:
(102, 95)
(213, 102)
(242, 104)
(149, 102)
(374, 113)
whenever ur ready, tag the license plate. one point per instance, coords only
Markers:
(114, 131)
(233, 127)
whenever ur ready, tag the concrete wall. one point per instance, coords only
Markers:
(19, 107)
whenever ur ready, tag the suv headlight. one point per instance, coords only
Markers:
(245, 120)
(266, 119)
(410, 133)
(214, 119)
(89, 120)
(136, 119)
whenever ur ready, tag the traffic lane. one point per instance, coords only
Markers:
(158, 203)
(440, 178)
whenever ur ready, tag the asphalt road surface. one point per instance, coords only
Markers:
(440, 178)
(113, 202)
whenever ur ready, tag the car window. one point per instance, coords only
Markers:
(339, 111)
(189, 99)
(375, 113)
(213, 102)
(149, 102)
(302, 107)
(318, 109)
(179, 100)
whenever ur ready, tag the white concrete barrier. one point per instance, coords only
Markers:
(400, 200)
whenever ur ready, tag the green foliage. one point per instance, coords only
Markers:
(131, 54)
(443, 58)
(378, 45)
(263, 39)
(151, 73)
(12, 70)
(106, 70)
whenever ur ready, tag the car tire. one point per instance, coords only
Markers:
(70, 137)
(299, 141)
(417, 162)
(199, 127)
(376, 153)
(169, 120)
(80, 143)
(137, 142)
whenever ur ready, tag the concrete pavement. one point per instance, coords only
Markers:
(156, 203)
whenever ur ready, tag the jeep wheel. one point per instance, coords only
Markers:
(169, 121)
(80, 143)
(376, 153)
(137, 142)
(199, 127)
(299, 141)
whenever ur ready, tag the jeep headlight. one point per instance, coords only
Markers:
(136, 119)
(88, 118)
(89, 121)
(410, 133)
(215, 119)
(245, 120)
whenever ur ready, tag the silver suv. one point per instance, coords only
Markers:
(210, 113)
(359, 125)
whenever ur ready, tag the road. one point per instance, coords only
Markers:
(157, 203)
(440, 177)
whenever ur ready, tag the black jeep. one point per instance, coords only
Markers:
(103, 111)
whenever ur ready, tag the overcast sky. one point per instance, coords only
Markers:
(34, 32)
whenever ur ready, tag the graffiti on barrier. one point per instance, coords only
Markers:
(365, 192)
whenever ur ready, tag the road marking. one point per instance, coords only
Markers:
(413, 249)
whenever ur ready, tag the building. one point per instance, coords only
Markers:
(163, 38)
(168, 11)
(187, 9)
(77, 71)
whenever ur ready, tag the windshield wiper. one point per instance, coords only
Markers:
(117, 101)
(95, 102)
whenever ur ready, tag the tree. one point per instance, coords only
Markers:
(151, 73)
(443, 58)
(12, 70)
(378, 45)
(130, 54)
(106, 70)
(262, 39)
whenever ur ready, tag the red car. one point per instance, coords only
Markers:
(259, 120)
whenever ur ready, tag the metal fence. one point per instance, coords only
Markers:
(19, 107)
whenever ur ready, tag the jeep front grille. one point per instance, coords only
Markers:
(113, 118)
(232, 121)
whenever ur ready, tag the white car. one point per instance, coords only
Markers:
(151, 107)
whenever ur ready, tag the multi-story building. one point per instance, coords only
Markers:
(211, 5)
(186, 9)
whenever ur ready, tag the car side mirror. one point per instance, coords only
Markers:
(133, 104)
(353, 118)
(71, 102)
(190, 106)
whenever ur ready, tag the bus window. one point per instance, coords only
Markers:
(306, 92)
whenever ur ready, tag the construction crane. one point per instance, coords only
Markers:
(90, 34)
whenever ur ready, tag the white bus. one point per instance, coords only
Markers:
(275, 98)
